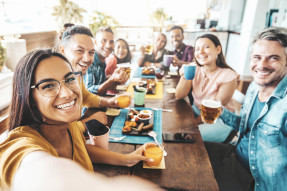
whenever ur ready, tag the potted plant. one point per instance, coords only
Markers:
(68, 12)
(99, 19)
(2, 56)
(158, 17)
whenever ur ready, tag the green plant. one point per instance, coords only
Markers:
(158, 17)
(2, 56)
(68, 12)
(99, 19)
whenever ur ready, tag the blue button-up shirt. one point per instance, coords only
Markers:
(95, 75)
(268, 137)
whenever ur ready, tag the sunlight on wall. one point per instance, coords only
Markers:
(18, 16)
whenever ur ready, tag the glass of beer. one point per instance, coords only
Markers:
(148, 48)
(210, 110)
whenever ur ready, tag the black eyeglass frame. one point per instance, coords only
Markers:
(49, 80)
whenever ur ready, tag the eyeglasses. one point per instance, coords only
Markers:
(51, 87)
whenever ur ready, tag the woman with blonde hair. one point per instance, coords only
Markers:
(157, 54)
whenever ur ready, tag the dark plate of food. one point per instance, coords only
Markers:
(138, 122)
(148, 71)
(149, 84)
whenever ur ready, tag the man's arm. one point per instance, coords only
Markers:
(231, 119)
(118, 77)
(189, 58)
(109, 84)
(178, 62)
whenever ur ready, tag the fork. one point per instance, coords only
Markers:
(153, 134)
(168, 110)
(117, 138)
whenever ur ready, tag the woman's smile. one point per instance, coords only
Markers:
(67, 106)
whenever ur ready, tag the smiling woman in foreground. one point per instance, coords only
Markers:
(42, 137)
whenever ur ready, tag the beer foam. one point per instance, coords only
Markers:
(211, 103)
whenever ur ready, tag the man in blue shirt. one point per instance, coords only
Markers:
(95, 78)
(259, 159)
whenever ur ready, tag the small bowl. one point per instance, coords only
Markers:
(146, 112)
(142, 84)
(144, 118)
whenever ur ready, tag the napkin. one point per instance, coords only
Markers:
(160, 166)
(171, 90)
(173, 73)
(113, 112)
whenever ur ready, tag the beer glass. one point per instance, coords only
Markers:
(210, 110)
(148, 48)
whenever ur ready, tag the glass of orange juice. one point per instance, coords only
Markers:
(153, 151)
(123, 101)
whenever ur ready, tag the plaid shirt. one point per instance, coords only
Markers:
(95, 75)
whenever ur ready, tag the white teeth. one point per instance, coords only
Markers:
(66, 105)
(202, 57)
(262, 73)
(81, 64)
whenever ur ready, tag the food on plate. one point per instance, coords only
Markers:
(126, 69)
(150, 85)
(142, 83)
(133, 113)
(148, 71)
(126, 129)
(146, 112)
(145, 128)
(133, 124)
(137, 122)
(143, 116)
(140, 128)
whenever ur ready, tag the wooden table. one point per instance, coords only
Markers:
(187, 164)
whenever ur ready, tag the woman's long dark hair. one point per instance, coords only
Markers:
(23, 110)
(128, 56)
(220, 61)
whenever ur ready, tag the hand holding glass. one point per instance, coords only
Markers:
(154, 152)
(167, 60)
(123, 101)
(210, 110)
(189, 71)
(148, 48)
